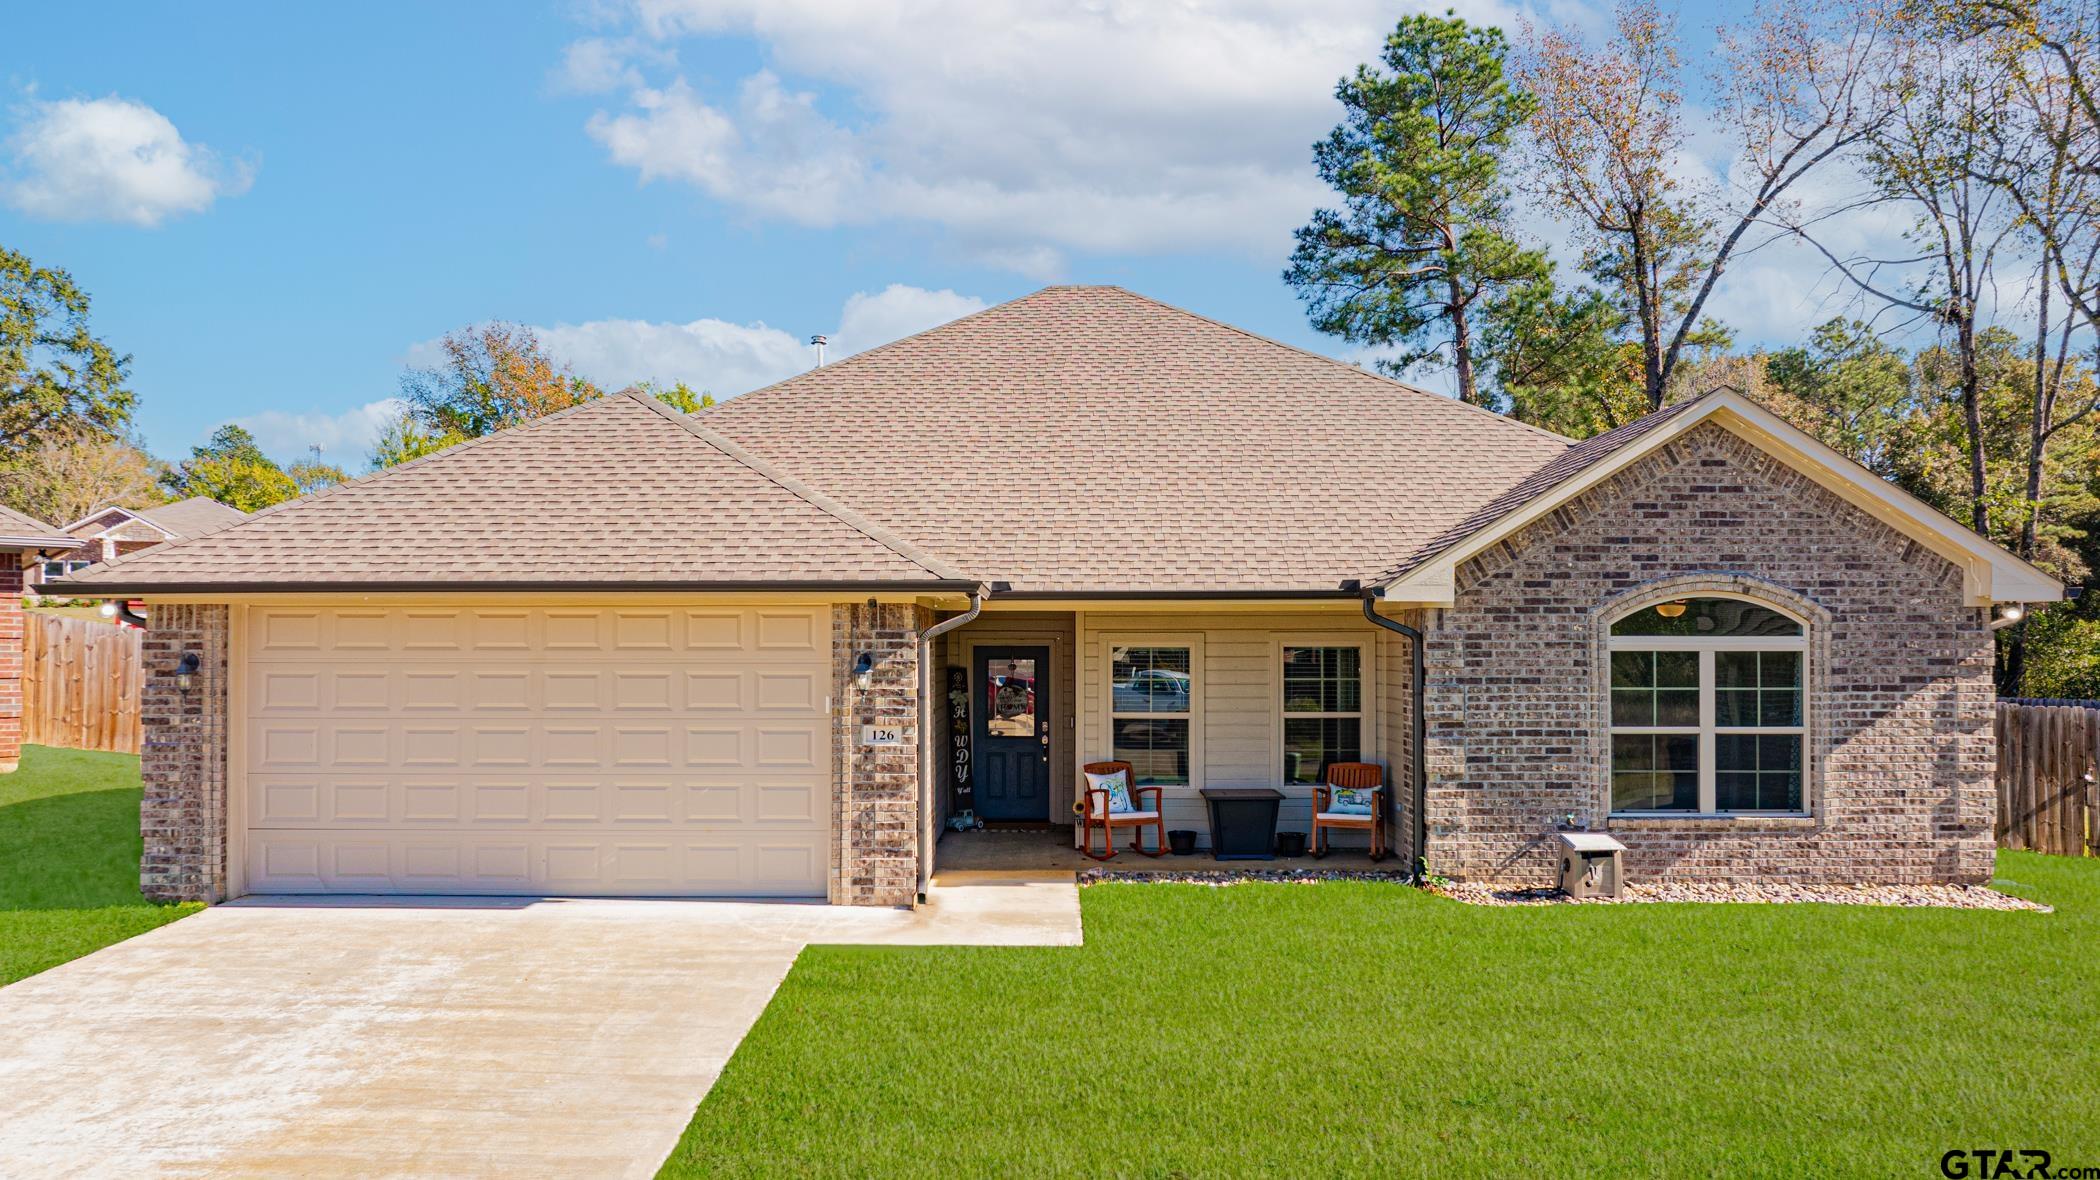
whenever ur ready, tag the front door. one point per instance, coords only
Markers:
(1013, 733)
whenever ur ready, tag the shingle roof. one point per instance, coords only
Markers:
(188, 518)
(21, 530)
(622, 491)
(1562, 468)
(1088, 439)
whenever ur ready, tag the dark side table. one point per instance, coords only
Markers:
(1242, 822)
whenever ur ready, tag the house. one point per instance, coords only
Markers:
(22, 539)
(710, 654)
(112, 530)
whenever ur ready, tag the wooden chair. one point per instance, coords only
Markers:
(1096, 815)
(1359, 775)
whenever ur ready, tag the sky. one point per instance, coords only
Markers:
(275, 208)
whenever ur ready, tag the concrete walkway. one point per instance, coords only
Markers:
(427, 1037)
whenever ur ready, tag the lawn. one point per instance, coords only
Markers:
(69, 859)
(1369, 1029)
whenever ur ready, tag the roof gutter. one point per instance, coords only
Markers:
(928, 720)
(113, 587)
(1419, 680)
(1167, 595)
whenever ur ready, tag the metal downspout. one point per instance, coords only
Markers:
(1421, 727)
(928, 721)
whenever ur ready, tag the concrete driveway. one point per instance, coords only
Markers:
(432, 1037)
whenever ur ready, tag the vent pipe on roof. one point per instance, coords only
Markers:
(820, 342)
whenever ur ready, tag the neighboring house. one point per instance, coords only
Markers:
(696, 655)
(22, 540)
(111, 531)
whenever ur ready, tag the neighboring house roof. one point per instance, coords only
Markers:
(188, 518)
(1090, 440)
(619, 492)
(162, 522)
(21, 531)
(1991, 573)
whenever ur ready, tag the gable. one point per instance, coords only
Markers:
(1990, 573)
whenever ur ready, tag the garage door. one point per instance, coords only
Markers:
(636, 752)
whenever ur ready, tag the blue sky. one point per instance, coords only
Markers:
(275, 207)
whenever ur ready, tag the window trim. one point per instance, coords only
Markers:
(1368, 702)
(1193, 641)
(1707, 732)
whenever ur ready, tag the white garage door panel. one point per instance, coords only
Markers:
(599, 751)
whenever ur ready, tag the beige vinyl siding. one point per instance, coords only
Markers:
(1237, 734)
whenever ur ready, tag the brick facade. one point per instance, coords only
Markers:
(11, 626)
(1900, 691)
(875, 796)
(183, 761)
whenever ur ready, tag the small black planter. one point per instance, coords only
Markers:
(1181, 842)
(1290, 844)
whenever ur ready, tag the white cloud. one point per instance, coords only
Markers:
(111, 159)
(1024, 130)
(726, 358)
(345, 439)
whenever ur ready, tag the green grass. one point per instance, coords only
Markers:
(1368, 1029)
(69, 859)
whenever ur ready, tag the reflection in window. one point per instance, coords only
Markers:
(1322, 710)
(1150, 710)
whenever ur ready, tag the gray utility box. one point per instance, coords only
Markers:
(1590, 864)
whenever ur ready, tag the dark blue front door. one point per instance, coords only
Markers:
(1012, 733)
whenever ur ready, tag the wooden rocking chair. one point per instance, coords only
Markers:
(1359, 775)
(1096, 815)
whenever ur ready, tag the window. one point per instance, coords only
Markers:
(1707, 709)
(1323, 710)
(1150, 707)
(59, 569)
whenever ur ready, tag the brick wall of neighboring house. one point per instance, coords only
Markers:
(183, 761)
(875, 808)
(1900, 694)
(11, 575)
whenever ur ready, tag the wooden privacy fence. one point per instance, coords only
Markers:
(80, 684)
(2048, 758)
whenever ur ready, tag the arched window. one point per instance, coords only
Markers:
(1708, 709)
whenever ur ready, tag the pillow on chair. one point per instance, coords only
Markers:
(1350, 800)
(1117, 784)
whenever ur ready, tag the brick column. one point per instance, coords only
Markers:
(11, 567)
(875, 809)
(183, 762)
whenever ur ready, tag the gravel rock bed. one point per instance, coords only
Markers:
(1254, 877)
(1958, 897)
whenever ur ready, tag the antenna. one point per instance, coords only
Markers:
(820, 342)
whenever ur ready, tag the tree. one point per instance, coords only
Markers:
(63, 478)
(1850, 389)
(233, 470)
(58, 381)
(1422, 237)
(681, 397)
(405, 440)
(1793, 91)
(1560, 361)
(313, 473)
(493, 376)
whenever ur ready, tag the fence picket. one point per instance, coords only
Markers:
(80, 684)
(2048, 759)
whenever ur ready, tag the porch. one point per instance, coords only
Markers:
(1191, 695)
(1039, 850)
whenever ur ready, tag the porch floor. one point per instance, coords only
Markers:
(1039, 850)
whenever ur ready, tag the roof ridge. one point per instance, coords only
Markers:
(368, 477)
(847, 516)
(1376, 376)
(845, 361)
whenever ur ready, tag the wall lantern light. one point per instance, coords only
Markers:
(863, 670)
(186, 671)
